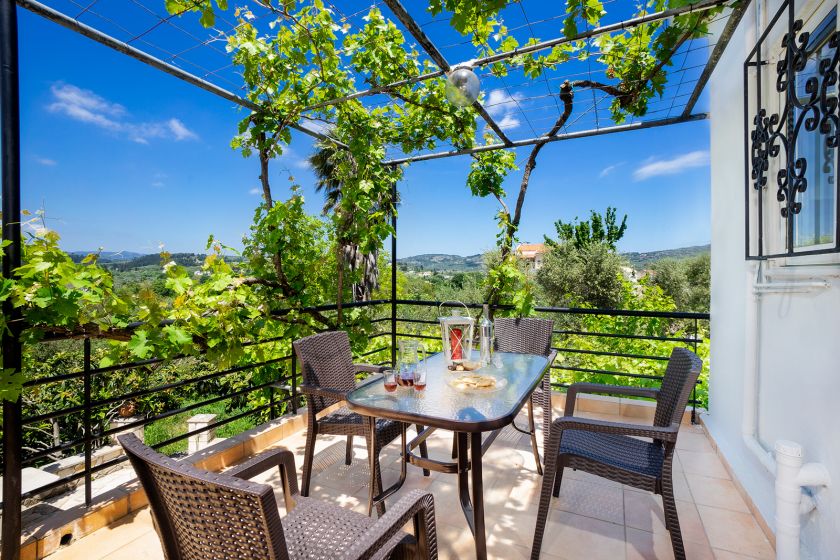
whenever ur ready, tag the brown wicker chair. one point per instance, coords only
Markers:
(531, 336)
(201, 515)
(329, 373)
(612, 450)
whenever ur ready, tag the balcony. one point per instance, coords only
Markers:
(593, 519)
(106, 516)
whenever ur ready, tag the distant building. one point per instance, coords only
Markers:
(532, 253)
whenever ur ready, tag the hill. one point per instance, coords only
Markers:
(439, 262)
(641, 261)
(106, 256)
(436, 262)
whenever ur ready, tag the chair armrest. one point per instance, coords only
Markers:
(416, 504)
(369, 368)
(664, 433)
(603, 389)
(322, 392)
(281, 458)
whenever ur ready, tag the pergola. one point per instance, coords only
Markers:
(139, 47)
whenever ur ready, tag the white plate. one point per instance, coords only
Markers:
(500, 384)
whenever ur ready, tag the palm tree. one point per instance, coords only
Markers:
(324, 162)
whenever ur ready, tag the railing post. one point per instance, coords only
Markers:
(87, 426)
(294, 385)
(10, 154)
(694, 389)
(394, 197)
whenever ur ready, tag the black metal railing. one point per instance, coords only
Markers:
(582, 353)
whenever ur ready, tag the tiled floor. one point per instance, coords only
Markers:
(592, 519)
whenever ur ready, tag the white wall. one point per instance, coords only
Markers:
(798, 344)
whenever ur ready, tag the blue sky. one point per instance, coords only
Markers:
(124, 157)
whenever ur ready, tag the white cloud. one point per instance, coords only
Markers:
(46, 161)
(291, 158)
(158, 184)
(85, 106)
(254, 191)
(678, 164)
(502, 107)
(180, 131)
(609, 169)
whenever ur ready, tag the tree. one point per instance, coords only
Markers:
(635, 61)
(587, 276)
(363, 265)
(597, 229)
(687, 281)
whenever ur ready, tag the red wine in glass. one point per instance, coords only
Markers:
(390, 381)
(406, 379)
(420, 380)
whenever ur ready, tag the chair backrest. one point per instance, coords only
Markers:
(526, 335)
(201, 515)
(326, 360)
(680, 376)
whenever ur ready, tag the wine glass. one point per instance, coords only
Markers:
(389, 378)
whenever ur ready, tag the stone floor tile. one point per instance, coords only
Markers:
(694, 441)
(735, 531)
(592, 500)
(644, 511)
(575, 537)
(642, 545)
(105, 541)
(716, 492)
(721, 554)
(705, 464)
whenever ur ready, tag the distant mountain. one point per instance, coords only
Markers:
(106, 256)
(184, 259)
(438, 262)
(641, 261)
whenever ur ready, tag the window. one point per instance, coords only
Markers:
(791, 78)
(814, 225)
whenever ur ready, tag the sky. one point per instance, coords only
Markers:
(126, 158)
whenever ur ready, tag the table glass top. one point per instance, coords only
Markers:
(517, 377)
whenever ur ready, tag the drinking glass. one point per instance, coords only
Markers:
(420, 378)
(389, 378)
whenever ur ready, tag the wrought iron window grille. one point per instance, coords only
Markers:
(772, 137)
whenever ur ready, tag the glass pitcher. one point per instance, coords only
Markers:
(411, 354)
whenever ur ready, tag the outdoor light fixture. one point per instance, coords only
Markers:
(462, 87)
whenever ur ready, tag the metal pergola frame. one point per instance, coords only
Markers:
(10, 154)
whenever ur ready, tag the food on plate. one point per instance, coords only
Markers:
(474, 381)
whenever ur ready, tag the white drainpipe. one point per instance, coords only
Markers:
(791, 503)
(749, 424)
(787, 468)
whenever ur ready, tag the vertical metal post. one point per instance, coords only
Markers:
(10, 153)
(694, 389)
(394, 275)
(87, 427)
(294, 384)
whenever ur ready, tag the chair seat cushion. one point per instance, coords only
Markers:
(623, 452)
(344, 421)
(316, 530)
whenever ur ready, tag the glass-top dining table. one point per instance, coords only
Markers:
(469, 413)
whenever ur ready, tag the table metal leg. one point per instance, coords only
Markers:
(464, 478)
(478, 497)
(469, 445)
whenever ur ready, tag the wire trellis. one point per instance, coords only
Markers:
(524, 108)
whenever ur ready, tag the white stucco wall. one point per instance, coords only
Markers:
(798, 332)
